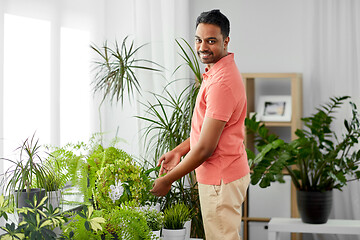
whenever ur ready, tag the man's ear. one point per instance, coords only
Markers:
(226, 42)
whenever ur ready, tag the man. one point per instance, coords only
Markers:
(215, 148)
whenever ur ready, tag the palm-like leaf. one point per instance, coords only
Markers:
(115, 71)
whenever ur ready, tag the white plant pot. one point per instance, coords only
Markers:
(187, 226)
(54, 198)
(155, 235)
(174, 234)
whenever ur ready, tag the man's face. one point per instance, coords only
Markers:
(209, 43)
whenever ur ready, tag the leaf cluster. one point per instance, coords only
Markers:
(318, 160)
(126, 222)
(154, 219)
(38, 222)
(115, 70)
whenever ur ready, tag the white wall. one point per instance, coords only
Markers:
(266, 36)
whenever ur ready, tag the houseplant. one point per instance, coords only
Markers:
(169, 124)
(318, 161)
(26, 170)
(115, 70)
(155, 220)
(125, 223)
(174, 220)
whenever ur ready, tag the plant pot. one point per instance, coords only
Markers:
(314, 207)
(187, 226)
(54, 198)
(174, 234)
(23, 196)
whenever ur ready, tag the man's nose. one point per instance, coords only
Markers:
(203, 47)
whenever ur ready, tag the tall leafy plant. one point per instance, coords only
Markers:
(169, 124)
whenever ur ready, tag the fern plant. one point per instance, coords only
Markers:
(318, 160)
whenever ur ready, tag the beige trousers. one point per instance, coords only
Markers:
(221, 208)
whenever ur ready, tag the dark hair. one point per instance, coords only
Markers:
(217, 18)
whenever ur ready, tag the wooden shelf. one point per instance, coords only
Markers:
(295, 80)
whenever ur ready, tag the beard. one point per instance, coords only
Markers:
(206, 56)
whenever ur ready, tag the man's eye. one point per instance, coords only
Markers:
(211, 41)
(197, 40)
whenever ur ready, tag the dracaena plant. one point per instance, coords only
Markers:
(27, 169)
(115, 71)
(318, 160)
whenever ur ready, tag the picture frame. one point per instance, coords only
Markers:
(274, 108)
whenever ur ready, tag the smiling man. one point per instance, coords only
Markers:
(215, 148)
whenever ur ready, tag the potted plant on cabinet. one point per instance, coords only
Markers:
(318, 161)
(174, 220)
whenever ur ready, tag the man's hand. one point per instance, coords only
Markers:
(161, 187)
(168, 161)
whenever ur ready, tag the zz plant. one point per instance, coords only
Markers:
(318, 160)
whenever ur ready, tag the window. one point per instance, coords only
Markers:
(26, 81)
(28, 103)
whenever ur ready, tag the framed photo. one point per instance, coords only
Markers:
(274, 108)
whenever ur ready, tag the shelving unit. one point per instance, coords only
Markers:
(295, 80)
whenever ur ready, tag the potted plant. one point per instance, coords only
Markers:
(318, 161)
(53, 184)
(26, 171)
(155, 221)
(174, 220)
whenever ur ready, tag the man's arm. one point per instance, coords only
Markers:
(209, 138)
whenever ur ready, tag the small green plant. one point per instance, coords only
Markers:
(38, 222)
(176, 215)
(154, 219)
(126, 223)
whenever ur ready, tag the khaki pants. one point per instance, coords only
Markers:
(221, 208)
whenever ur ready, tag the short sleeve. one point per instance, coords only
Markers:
(220, 102)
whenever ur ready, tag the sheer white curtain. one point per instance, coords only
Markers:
(332, 68)
(44, 70)
(156, 23)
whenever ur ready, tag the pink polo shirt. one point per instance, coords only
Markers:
(222, 97)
